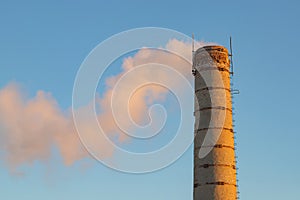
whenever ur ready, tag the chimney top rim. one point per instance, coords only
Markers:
(213, 48)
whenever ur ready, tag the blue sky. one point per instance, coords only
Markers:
(44, 43)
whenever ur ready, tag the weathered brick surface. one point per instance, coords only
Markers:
(215, 174)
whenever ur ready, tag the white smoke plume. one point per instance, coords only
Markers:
(31, 127)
